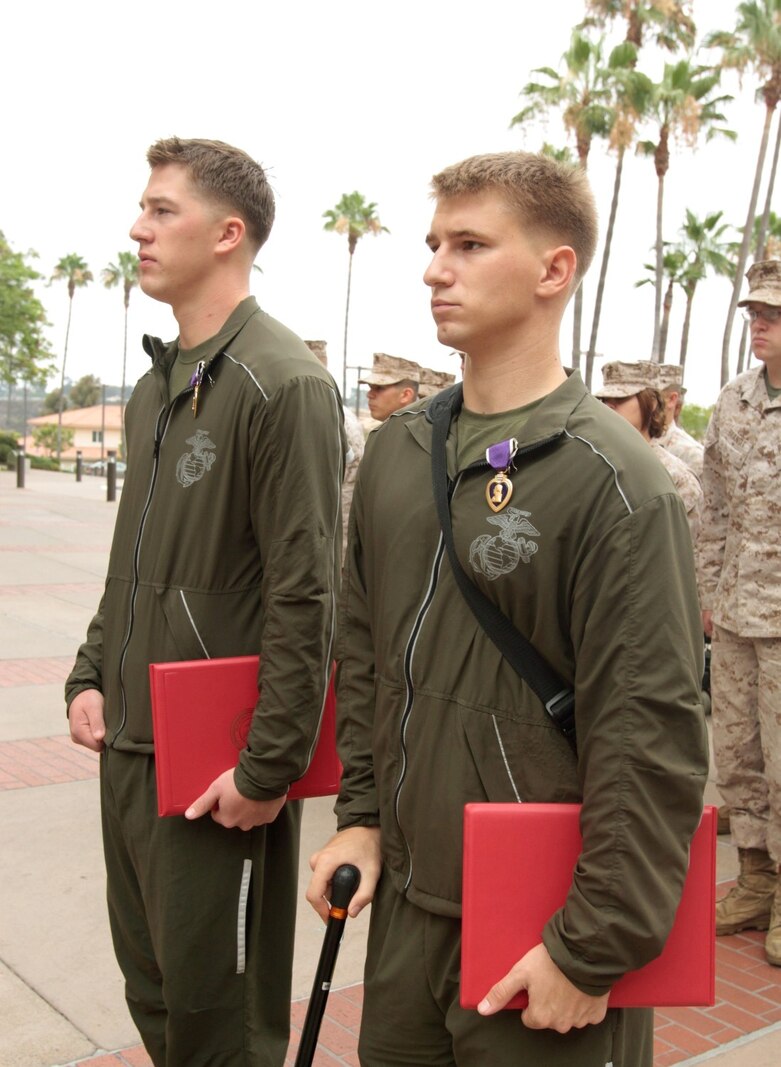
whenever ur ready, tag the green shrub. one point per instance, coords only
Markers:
(44, 463)
(9, 443)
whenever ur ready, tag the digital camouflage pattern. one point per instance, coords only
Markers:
(739, 549)
(681, 444)
(355, 443)
(746, 694)
(688, 487)
(764, 283)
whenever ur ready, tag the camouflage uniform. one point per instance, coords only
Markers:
(356, 442)
(681, 444)
(740, 582)
(688, 487)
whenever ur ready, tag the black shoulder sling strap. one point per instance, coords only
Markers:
(557, 697)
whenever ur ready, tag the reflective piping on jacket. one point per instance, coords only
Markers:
(602, 456)
(136, 556)
(192, 623)
(241, 918)
(505, 761)
(245, 368)
(409, 652)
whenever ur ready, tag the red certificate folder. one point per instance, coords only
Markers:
(201, 715)
(518, 864)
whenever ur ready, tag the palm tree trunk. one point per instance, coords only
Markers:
(664, 326)
(744, 247)
(61, 400)
(659, 270)
(759, 253)
(687, 318)
(592, 345)
(346, 320)
(742, 349)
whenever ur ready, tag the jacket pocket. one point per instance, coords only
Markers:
(519, 760)
(182, 624)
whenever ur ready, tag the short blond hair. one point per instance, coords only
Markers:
(550, 196)
(225, 175)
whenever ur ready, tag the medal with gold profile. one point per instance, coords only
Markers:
(500, 487)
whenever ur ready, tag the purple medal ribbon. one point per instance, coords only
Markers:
(500, 455)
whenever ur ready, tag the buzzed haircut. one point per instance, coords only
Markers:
(550, 196)
(225, 175)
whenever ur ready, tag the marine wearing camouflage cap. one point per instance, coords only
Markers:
(764, 283)
(389, 370)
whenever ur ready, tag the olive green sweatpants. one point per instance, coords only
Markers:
(202, 920)
(412, 1017)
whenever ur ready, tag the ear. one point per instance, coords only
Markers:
(558, 278)
(406, 396)
(230, 235)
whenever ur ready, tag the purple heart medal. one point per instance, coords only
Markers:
(500, 488)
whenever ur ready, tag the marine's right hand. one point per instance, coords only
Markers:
(707, 623)
(359, 845)
(85, 716)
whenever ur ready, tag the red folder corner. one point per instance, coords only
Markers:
(518, 864)
(201, 715)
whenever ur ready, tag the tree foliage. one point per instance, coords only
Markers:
(85, 392)
(52, 438)
(24, 350)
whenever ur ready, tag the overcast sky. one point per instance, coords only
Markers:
(331, 97)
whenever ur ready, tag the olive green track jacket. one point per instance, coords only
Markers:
(227, 542)
(592, 560)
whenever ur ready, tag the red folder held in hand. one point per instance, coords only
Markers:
(201, 715)
(518, 865)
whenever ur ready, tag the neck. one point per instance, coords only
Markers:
(200, 317)
(496, 381)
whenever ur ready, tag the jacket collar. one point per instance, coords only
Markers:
(162, 352)
(546, 422)
(753, 390)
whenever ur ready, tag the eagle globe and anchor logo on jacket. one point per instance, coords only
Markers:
(192, 465)
(494, 555)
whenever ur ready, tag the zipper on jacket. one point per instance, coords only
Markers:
(163, 421)
(409, 652)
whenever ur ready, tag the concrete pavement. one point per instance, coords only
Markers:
(61, 997)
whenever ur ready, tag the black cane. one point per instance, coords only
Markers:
(343, 885)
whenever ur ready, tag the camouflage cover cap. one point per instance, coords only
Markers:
(627, 379)
(764, 283)
(319, 349)
(388, 370)
(669, 374)
(433, 381)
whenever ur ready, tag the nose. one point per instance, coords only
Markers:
(138, 231)
(438, 271)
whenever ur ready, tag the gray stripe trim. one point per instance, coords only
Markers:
(504, 760)
(602, 456)
(241, 922)
(245, 368)
(192, 623)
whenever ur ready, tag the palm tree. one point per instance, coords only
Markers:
(631, 93)
(673, 269)
(704, 249)
(353, 216)
(667, 22)
(582, 93)
(125, 271)
(73, 270)
(682, 105)
(754, 45)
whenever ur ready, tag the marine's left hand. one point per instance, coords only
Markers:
(230, 809)
(554, 1002)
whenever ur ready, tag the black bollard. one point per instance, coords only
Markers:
(111, 476)
(20, 468)
(78, 465)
